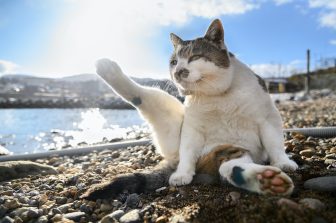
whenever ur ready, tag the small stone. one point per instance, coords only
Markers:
(18, 220)
(133, 200)
(12, 204)
(75, 216)
(7, 192)
(115, 154)
(307, 152)
(61, 200)
(161, 219)
(33, 213)
(333, 150)
(327, 184)
(7, 219)
(331, 156)
(43, 199)
(131, 217)
(56, 211)
(234, 197)
(105, 207)
(116, 203)
(85, 208)
(33, 203)
(23, 200)
(33, 193)
(57, 217)
(178, 219)
(110, 218)
(65, 207)
(329, 161)
(289, 203)
(42, 219)
(3, 211)
(160, 189)
(312, 203)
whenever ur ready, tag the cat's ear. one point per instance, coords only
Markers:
(215, 33)
(175, 40)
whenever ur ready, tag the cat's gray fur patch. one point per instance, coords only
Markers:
(206, 49)
(136, 101)
(237, 175)
(262, 83)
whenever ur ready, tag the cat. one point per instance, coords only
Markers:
(227, 107)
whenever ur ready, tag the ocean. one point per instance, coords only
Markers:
(36, 130)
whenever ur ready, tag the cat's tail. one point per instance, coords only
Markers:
(139, 182)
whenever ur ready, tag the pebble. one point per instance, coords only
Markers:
(33, 203)
(75, 216)
(7, 219)
(65, 207)
(131, 217)
(327, 184)
(33, 193)
(133, 200)
(110, 218)
(289, 203)
(312, 203)
(307, 152)
(12, 204)
(160, 189)
(3, 211)
(234, 197)
(61, 200)
(34, 212)
(161, 219)
(105, 207)
(42, 219)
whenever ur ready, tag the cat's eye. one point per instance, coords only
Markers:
(195, 57)
(173, 62)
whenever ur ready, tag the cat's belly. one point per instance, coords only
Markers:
(238, 131)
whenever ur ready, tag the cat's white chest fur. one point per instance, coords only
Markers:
(222, 120)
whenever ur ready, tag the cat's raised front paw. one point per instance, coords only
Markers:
(107, 68)
(179, 179)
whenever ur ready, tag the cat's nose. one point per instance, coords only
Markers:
(181, 73)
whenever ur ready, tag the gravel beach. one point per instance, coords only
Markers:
(55, 198)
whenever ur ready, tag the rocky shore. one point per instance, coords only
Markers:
(55, 198)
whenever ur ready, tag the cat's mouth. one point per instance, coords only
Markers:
(185, 84)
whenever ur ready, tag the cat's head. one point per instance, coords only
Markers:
(202, 65)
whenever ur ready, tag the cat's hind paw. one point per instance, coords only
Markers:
(107, 68)
(179, 179)
(274, 182)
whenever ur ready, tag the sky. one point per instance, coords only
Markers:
(56, 38)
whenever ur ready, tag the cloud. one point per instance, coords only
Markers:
(328, 14)
(278, 70)
(282, 2)
(7, 67)
(124, 31)
(333, 42)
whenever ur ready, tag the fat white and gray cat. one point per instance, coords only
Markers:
(226, 103)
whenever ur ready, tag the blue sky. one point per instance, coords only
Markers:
(57, 38)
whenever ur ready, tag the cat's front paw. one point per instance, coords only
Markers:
(107, 68)
(179, 179)
(285, 164)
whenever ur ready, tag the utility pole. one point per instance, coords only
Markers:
(307, 80)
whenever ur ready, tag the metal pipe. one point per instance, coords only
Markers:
(75, 151)
(322, 132)
(318, 132)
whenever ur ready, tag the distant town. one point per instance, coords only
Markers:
(79, 91)
(87, 90)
